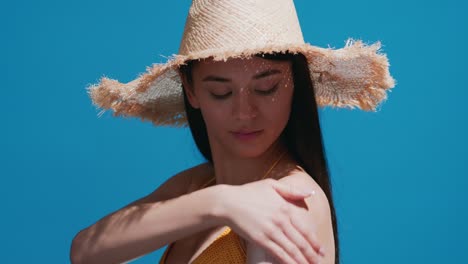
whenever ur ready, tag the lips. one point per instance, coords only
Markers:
(246, 134)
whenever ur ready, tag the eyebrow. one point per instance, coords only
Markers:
(213, 78)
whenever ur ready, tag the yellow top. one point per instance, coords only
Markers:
(226, 248)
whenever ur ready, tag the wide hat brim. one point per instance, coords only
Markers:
(355, 76)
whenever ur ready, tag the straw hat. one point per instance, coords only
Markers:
(354, 76)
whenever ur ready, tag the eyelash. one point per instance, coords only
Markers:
(268, 92)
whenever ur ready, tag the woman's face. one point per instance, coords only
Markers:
(245, 102)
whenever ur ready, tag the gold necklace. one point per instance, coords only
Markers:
(268, 172)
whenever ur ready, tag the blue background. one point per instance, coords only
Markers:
(399, 175)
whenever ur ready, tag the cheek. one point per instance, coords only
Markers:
(214, 114)
(277, 109)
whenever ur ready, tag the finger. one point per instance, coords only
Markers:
(275, 251)
(307, 232)
(301, 242)
(289, 192)
(288, 246)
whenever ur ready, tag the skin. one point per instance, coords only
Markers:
(278, 222)
(242, 104)
(255, 95)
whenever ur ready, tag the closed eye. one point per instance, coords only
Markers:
(220, 96)
(268, 92)
(261, 92)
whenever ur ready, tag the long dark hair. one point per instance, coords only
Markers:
(302, 134)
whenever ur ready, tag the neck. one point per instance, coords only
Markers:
(234, 170)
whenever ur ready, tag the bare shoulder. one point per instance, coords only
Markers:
(203, 174)
(176, 185)
(318, 202)
(316, 210)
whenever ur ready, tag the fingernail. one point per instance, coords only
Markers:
(310, 192)
(304, 193)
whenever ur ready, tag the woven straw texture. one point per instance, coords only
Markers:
(356, 75)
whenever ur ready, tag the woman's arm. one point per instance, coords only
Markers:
(148, 224)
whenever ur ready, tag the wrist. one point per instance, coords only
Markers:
(219, 212)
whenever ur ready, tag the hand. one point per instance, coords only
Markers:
(260, 213)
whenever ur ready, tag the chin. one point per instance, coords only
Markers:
(246, 148)
(250, 150)
(249, 153)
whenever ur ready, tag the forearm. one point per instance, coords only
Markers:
(139, 229)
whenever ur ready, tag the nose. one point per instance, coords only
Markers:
(244, 106)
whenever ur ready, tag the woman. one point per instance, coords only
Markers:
(268, 95)
(249, 88)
